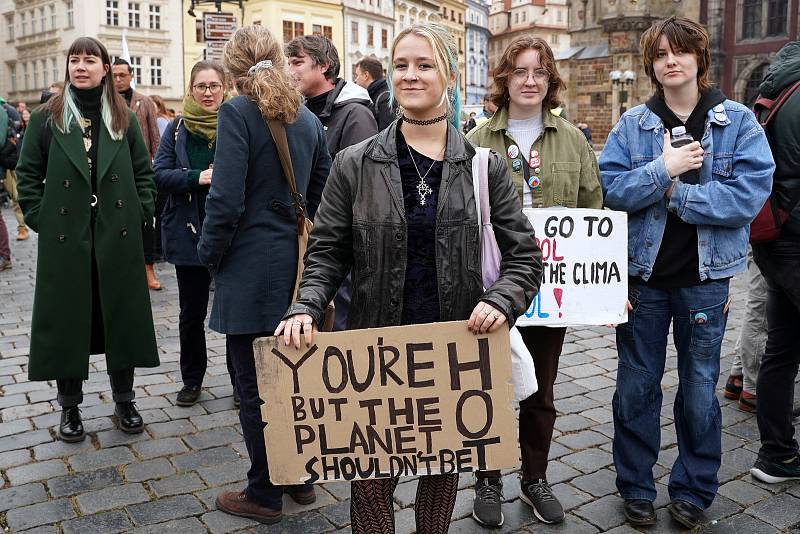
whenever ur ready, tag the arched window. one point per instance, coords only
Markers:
(751, 90)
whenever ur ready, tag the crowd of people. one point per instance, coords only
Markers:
(113, 182)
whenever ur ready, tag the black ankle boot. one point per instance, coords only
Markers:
(128, 418)
(71, 427)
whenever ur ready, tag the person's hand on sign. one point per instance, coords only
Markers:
(628, 307)
(292, 326)
(485, 318)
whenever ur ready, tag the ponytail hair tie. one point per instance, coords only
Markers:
(261, 65)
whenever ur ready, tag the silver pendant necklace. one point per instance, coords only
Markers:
(423, 189)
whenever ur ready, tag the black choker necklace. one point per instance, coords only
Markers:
(426, 122)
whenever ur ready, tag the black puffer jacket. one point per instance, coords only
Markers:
(360, 224)
(783, 132)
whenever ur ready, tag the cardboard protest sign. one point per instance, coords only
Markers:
(383, 402)
(585, 275)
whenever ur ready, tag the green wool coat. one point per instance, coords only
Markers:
(55, 191)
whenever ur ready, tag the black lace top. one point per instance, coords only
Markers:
(421, 290)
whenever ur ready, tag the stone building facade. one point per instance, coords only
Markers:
(746, 34)
(37, 34)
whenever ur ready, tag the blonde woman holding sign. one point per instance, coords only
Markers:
(551, 164)
(399, 210)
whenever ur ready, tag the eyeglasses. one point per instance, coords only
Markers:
(521, 75)
(202, 88)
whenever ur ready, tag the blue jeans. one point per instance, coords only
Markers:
(698, 315)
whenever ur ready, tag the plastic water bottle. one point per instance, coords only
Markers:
(680, 137)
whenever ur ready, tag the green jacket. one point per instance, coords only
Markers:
(55, 194)
(569, 173)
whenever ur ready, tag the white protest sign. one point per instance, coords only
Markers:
(585, 267)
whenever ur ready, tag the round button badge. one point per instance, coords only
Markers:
(516, 165)
(513, 151)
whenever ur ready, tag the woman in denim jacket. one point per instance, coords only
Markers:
(689, 213)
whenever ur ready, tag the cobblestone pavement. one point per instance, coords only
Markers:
(166, 479)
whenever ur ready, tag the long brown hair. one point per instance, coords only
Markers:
(115, 112)
(271, 88)
(682, 34)
(500, 96)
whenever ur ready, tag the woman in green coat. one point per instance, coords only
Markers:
(86, 187)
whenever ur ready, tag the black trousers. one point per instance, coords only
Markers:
(537, 413)
(70, 391)
(193, 287)
(259, 488)
(151, 234)
(779, 262)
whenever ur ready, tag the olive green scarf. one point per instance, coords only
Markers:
(199, 120)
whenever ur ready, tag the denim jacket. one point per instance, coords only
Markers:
(735, 181)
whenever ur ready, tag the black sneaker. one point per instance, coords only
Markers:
(488, 498)
(539, 495)
(188, 396)
(774, 472)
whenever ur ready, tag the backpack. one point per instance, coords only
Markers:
(767, 225)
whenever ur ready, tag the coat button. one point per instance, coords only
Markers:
(656, 216)
(124, 232)
(393, 301)
(114, 178)
(119, 203)
(63, 211)
(67, 184)
(398, 236)
(62, 238)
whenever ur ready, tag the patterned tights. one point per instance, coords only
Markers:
(371, 510)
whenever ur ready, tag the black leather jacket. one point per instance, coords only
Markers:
(360, 224)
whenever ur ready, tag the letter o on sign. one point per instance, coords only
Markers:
(487, 404)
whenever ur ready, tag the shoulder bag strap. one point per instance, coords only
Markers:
(278, 132)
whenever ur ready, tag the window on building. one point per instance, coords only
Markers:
(155, 17)
(554, 38)
(292, 29)
(54, 68)
(13, 76)
(753, 83)
(155, 71)
(776, 17)
(112, 12)
(33, 21)
(53, 23)
(134, 15)
(35, 74)
(751, 19)
(23, 23)
(559, 16)
(256, 23)
(27, 76)
(70, 14)
(136, 63)
(384, 38)
(370, 35)
(524, 16)
(402, 19)
(353, 31)
(10, 28)
(45, 75)
(324, 31)
(42, 20)
(516, 17)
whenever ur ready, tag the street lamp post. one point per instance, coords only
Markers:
(622, 83)
(216, 3)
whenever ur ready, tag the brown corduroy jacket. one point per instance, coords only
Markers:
(146, 114)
